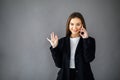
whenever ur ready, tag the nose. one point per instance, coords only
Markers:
(74, 27)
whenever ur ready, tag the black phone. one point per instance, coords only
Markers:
(82, 33)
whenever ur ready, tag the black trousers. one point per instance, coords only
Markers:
(72, 74)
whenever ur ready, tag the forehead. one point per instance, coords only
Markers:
(75, 20)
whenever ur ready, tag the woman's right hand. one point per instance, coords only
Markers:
(54, 40)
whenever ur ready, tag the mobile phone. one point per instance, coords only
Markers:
(82, 33)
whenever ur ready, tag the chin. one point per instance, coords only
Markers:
(75, 32)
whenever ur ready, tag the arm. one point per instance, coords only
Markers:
(89, 49)
(57, 53)
(56, 50)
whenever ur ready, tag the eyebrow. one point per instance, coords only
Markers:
(76, 23)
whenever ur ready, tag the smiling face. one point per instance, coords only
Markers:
(75, 26)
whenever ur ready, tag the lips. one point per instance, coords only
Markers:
(75, 30)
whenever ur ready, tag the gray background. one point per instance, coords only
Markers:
(25, 25)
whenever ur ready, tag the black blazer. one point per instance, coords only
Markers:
(85, 53)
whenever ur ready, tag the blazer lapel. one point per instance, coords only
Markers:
(68, 50)
(78, 48)
(79, 45)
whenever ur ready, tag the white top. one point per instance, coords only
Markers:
(73, 45)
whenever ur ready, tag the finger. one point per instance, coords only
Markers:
(49, 40)
(56, 37)
(51, 35)
(82, 33)
(82, 28)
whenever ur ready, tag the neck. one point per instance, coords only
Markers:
(74, 35)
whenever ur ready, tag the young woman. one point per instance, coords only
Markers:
(73, 53)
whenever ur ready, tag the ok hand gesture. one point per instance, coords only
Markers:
(54, 40)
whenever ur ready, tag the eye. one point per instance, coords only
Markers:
(71, 24)
(78, 24)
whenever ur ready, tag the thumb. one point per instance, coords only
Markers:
(49, 40)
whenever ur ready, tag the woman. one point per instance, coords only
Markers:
(73, 53)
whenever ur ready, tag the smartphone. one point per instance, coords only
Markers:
(82, 33)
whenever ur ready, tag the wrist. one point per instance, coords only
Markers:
(85, 37)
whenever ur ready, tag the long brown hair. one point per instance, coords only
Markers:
(74, 15)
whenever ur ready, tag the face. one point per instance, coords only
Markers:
(75, 26)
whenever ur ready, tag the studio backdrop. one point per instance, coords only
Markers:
(25, 25)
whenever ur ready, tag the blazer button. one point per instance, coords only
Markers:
(76, 70)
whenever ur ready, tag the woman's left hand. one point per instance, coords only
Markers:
(83, 33)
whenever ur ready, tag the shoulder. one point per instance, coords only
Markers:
(63, 38)
(89, 39)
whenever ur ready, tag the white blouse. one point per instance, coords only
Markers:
(73, 45)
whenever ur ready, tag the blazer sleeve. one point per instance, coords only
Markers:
(57, 54)
(89, 49)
